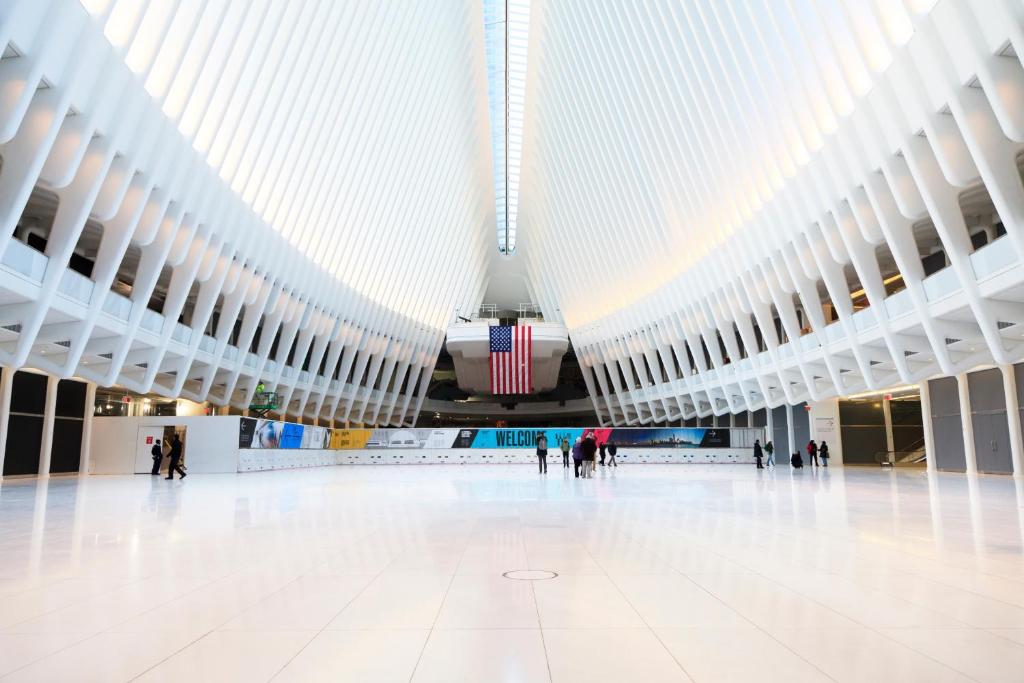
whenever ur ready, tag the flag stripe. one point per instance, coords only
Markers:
(510, 360)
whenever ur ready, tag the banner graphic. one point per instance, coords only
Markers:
(260, 433)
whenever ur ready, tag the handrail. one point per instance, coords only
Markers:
(901, 458)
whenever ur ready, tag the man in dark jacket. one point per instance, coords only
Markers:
(603, 449)
(175, 458)
(612, 450)
(758, 454)
(158, 456)
(542, 454)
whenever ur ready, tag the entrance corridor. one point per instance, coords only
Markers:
(664, 573)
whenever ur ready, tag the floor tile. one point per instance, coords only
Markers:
(841, 653)
(308, 603)
(609, 656)
(736, 654)
(378, 656)
(676, 602)
(583, 602)
(977, 654)
(488, 602)
(227, 656)
(493, 655)
(395, 601)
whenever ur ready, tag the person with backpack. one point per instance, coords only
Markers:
(565, 452)
(769, 448)
(812, 453)
(589, 449)
(758, 454)
(542, 454)
(823, 452)
(796, 461)
(577, 456)
(158, 456)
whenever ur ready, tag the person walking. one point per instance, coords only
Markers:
(769, 448)
(612, 450)
(158, 456)
(542, 454)
(175, 459)
(812, 453)
(603, 448)
(577, 456)
(565, 452)
(823, 452)
(589, 448)
(758, 454)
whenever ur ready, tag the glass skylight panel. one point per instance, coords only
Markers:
(506, 32)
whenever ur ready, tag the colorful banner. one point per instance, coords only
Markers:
(260, 433)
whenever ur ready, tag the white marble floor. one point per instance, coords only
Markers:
(666, 573)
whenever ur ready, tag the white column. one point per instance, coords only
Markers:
(769, 423)
(732, 419)
(926, 422)
(1013, 418)
(964, 395)
(46, 451)
(6, 379)
(790, 432)
(90, 408)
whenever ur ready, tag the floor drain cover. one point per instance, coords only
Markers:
(530, 575)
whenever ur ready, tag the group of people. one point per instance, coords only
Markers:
(584, 455)
(175, 451)
(814, 452)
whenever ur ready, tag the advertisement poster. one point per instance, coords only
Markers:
(349, 439)
(262, 433)
(314, 437)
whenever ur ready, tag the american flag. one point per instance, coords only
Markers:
(511, 365)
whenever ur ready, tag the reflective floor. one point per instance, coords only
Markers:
(665, 573)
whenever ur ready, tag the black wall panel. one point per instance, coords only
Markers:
(862, 425)
(988, 421)
(28, 393)
(70, 398)
(801, 427)
(946, 426)
(24, 440)
(67, 445)
(779, 436)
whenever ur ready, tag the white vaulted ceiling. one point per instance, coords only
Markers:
(736, 203)
(729, 203)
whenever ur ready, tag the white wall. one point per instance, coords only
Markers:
(822, 415)
(211, 442)
(252, 460)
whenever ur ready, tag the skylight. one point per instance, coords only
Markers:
(506, 28)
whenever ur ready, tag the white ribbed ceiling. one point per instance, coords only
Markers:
(357, 130)
(657, 129)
